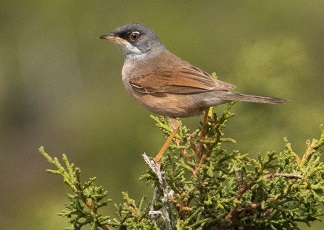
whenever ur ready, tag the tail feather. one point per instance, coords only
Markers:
(233, 96)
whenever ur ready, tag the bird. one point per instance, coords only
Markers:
(167, 85)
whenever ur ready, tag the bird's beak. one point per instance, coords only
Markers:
(112, 37)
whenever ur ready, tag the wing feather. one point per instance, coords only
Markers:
(185, 80)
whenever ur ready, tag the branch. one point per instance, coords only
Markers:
(287, 175)
(156, 168)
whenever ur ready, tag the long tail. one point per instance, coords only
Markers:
(233, 96)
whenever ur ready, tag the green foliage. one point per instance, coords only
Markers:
(88, 195)
(132, 215)
(199, 185)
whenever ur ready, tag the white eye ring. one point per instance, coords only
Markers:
(134, 35)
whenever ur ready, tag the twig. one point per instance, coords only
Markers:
(242, 187)
(238, 210)
(293, 176)
(156, 168)
(152, 212)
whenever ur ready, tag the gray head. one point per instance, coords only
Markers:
(136, 41)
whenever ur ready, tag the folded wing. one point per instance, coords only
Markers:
(185, 80)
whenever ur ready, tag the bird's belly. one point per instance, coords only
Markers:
(171, 105)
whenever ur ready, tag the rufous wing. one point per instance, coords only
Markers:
(184, 80)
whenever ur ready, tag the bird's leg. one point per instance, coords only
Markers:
(203, 130)
(175, 126)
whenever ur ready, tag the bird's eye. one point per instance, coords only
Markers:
(134, 36)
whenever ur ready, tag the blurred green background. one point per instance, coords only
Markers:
(61, 87)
